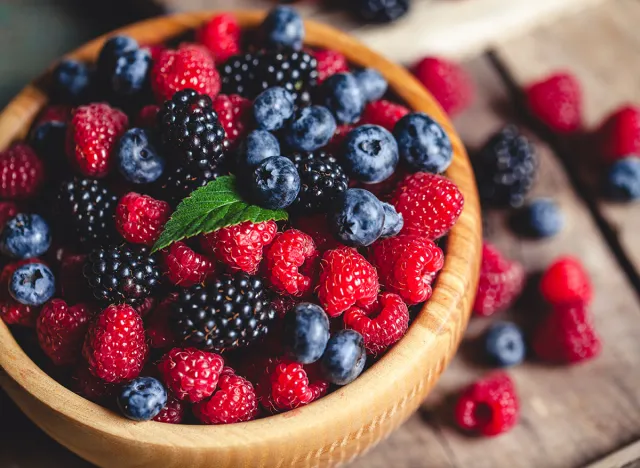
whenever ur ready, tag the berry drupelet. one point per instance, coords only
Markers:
(293, 70)
(238, 75)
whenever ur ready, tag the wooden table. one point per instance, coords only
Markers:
(586, 415)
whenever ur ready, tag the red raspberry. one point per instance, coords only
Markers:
(447, 81)
(55, 113)
(501, 282)
(346, 279)
(191, 374)
(189, 66)
(234, 401)
(146, 306)
(335, 144)
(21, 172)
(317, 227)
(566, 336)
(389, 324)
(186, 267)
(282, 305)
(155, 50)
(240, 247)
(384, 113)
(430, 204)
(619, 134)
(87, 385)
(488, 406)
(557, 102)
(293, 385)
(290, 263)
(157, 325)
(61, 330)
(140, 219)
(148, 116)
(330, 62)
(407, 265)
(92, 136)
(72, 281)
(115, 345)
(566, 282)
(384, 189)
(11, 311)
(8, 210)
(235, 114)
(221, 35)
(172, 413)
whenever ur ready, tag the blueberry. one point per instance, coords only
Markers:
(256, 147)
(311, 128)
(114, 48)
(357, 218)
(25, 236)
(32, 284)
(504, 344)
(540, 218)
(370, 154)
(142, 398)
(393, 221)
(130, 72)
(272, 108)
(138, 160)
(372, 84)
(48, 140)
(283, 26)
(422, 143)
(275, 183)
(306, 332)
(623, 179)
(341, 94)
(71, 81)
(344, 358)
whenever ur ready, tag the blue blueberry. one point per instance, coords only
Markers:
(344, 358)
(275, 183)
(623, 179)
(114, 48)
(32, 284)
(25, 236)
(372, 84)
(142, 398)
(422, 143)
(356, 218)
(341, 94)
(370, 154)
(504, 344)
(311, 128)
(138, 160)
(393, 221)
(130, 72)
(283, 26)
(272, 108)
(542, 218)
(71, 81)
(256, 147)
(48, 140)
(306, 332)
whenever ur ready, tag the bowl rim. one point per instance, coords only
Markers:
(454, 289)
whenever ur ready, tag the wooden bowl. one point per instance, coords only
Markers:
(330, 431)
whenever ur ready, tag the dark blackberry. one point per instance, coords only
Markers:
(182, 180)
(380, 11)
(296, 71)
(238, 75)
(228, 313)
(87, 206)
(506, 168)
(122, 273)
(322, 179)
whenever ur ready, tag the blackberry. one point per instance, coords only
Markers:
(228, 313)
(322, 179)
(380, 11)
(506, 168)
(182, 180)
(88, 207)
(122, 273)
(296, 71)
(238, 75)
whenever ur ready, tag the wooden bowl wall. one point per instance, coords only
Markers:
(330, 431)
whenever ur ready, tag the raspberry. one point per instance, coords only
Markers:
(447, 81)
(282, 305)
(115, 345)
(191, 374)
(290, 262)
(85, 384)
(566, 282)
(61, 330)
(330, 62)
(407, 265)
(384, 189)
(346, 278)
(92, 136)
(55, 113)
(148, 116)
(501, 282)
(221, 35)
(8, 210)
(557, 102)
(172, 413)
(11, 311)
(384, 113)
(72, 282)
(387, 327)
(430, 204)
(240, 247)
(157, 326)
(21, 172)
(141, 218)
(566, 336)
(292, 386)
(186, 267)
(318, 228)
(145, 306)
(619, 133)
(235, 114)
(234, 401)
(189, 66)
